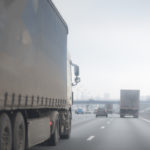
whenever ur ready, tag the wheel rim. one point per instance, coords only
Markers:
(5, 139)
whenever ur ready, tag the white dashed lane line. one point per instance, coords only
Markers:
(90, 138)
(102, 127)
(146, 120)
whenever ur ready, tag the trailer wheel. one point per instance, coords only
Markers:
(67, 128)
(68, 131)
(5, 132)
(136, 116)
(121, 116)
(19, 132)
(55, 137)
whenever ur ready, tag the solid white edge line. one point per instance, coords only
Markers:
(90, 138)
(146, 120)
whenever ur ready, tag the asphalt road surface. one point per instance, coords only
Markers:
(112, 133)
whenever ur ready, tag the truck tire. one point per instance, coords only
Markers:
(19, 132)
(5, 132)
(121, 116)
(67, 127)
(68, 131)
(136, 116)
(55, 137)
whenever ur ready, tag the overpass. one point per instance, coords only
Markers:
(96, 102)
(76, 102)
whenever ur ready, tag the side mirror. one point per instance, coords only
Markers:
(76, 70)
(76, 73)
(77, 80)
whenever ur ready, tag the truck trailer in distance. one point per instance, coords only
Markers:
(35, 75)
(129, 103)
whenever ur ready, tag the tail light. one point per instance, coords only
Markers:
(51, 123)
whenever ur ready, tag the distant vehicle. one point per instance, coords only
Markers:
(101, 112)
(79, 111)
(109, 108)
(129, 103)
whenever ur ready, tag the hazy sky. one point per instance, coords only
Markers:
(110, 41)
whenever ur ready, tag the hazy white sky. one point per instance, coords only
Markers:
(110, 41)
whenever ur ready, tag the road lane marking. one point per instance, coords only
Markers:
(146, 120)
(102, 127)
(90, 138)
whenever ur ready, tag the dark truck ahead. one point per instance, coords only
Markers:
(129, 103)
(35, 75)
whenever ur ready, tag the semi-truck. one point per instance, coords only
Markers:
(129, 103)
(35, 75)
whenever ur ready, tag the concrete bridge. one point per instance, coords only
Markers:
(104, 102)
(96, 102)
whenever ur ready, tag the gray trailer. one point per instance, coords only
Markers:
(35, 75)
(129, 103)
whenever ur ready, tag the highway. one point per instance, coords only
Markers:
(112, 133)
